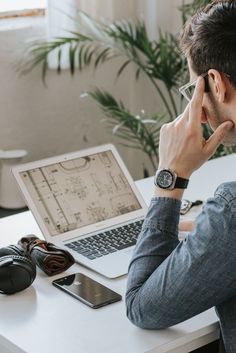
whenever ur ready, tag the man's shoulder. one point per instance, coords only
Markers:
(227, 191)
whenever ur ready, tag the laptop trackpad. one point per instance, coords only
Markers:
(114, 265)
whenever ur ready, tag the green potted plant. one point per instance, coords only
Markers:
(159, 60)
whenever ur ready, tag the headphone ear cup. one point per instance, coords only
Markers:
(11, 250)
(16, 273)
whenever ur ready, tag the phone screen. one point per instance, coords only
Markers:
(87, 290)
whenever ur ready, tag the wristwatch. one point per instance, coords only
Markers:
(168, 179)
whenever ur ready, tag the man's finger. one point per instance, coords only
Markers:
(183, 116)
(195, 106)
(186, 226)
(217, 137)
(179, 117)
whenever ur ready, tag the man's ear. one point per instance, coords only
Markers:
(217, 85)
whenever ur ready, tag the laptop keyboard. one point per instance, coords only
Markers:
(107, 242)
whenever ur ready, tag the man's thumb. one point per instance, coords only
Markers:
(217, 137)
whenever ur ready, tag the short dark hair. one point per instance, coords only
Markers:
(209, 39)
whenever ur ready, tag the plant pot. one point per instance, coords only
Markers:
(10, 196)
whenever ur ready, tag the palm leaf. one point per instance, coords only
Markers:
(140, 131)
(123, 66)
(97, 42)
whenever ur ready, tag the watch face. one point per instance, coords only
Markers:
(164, 179)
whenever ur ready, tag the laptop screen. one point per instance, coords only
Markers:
(80, 192)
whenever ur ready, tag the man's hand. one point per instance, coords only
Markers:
(182, 146)
(186, 226)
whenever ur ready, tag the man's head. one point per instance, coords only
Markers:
(209, 43)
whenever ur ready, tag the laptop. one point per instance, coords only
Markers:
(87, 203)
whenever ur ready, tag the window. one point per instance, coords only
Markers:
(13, 8)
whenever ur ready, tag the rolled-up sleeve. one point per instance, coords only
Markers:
(169, 280)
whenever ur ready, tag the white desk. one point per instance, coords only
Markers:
(44, 319)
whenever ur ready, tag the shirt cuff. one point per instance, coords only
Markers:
(163, 214)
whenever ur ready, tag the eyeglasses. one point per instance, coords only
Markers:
(187, 90)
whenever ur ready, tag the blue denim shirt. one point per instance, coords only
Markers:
(170, 281)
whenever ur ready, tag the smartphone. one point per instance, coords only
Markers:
(87, 290)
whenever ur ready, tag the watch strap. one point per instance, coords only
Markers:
(181, 183)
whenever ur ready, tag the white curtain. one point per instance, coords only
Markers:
(61, 19)
(60, 15)
(156, 14)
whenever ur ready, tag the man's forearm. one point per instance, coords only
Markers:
(170, 281)
(157, 240)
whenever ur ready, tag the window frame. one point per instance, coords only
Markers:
(24, 12)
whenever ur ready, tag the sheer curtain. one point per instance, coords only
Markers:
(155, 13)
(61, 17)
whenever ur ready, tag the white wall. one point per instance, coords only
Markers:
(52, 120)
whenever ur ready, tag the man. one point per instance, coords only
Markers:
(170, 281)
